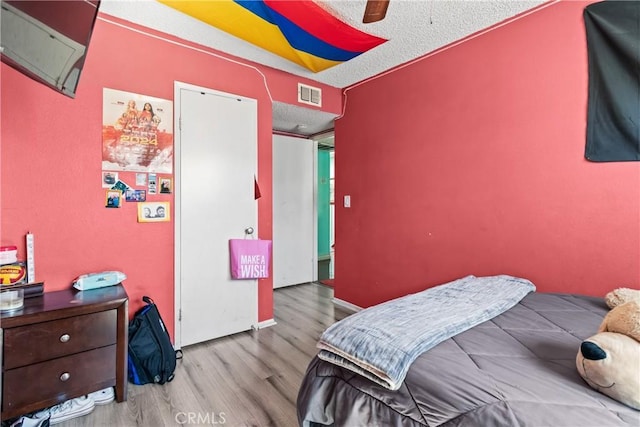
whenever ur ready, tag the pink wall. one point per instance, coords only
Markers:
(471, 161)
(51, 162)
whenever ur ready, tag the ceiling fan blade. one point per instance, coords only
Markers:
(375, 11)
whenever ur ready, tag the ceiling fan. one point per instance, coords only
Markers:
(375, 11)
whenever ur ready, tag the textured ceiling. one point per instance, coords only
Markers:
(414, 28)
(299, 120)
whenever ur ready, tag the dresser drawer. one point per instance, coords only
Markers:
(89, 370)
(38, 342)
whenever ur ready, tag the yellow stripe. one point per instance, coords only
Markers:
(238, 21)
(313, 62)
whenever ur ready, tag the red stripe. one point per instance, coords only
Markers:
(321, 24)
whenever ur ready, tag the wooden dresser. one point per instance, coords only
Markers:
(62, 345)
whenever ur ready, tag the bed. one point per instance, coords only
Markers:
(516, 369)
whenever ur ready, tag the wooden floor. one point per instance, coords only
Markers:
(247, 379)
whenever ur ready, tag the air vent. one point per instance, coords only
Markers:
(309, 95)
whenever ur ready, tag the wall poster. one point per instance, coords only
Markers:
(137, 132)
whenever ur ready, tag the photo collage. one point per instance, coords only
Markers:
(137, 137)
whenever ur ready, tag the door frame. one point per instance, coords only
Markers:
(177, 182)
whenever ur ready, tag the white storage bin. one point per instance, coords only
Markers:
(8, 254)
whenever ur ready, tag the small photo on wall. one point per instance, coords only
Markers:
(154, 212)
(135, 195)
(109, 179)
(141, 179)
(152, 184)
(113, 198)
(120, 185)
(165, 185)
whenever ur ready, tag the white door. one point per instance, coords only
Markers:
(294, 225)
(216, 161)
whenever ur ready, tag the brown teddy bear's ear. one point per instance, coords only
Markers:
(620, 296)
(623, 319)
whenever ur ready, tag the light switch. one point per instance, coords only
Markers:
(347, 201)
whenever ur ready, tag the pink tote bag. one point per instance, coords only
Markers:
(249, 258)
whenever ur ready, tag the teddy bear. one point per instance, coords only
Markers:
(620, 296)
(609, 361)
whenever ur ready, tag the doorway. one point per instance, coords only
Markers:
(326, 211)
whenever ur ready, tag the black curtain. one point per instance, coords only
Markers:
(613, 116)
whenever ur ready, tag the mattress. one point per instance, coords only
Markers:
(517, 369)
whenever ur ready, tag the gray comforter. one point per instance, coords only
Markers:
(517, 369)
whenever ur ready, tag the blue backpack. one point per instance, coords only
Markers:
(152, 358)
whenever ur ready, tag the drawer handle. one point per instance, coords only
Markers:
(65, 338)
(65, 376)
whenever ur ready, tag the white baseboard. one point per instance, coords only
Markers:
(347, 305)
(264, 324)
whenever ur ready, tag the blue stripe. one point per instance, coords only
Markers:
(297, 37)
(257, 7)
